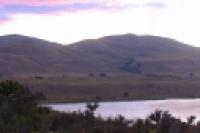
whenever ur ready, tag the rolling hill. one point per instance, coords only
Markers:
(129, 53)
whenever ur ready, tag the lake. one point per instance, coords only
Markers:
(181, 108)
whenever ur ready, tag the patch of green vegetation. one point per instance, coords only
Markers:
(131, 66)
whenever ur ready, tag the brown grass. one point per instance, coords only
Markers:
(113, 87)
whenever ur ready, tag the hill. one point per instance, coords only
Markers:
(112, 54)
(25, 55)
(123, 67)
(155, 54)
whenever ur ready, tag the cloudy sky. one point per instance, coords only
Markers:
(68, 21)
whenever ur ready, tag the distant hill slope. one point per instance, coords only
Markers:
(113, 54)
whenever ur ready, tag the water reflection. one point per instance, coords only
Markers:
(181, 108)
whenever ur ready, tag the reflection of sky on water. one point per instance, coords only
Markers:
(139, 109)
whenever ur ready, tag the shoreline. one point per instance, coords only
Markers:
(130, 100)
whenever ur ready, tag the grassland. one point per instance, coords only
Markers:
(110, 87)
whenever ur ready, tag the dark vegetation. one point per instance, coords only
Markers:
(20, 113)
(132, 66)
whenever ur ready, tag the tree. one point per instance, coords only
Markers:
(156, 116)
(91, 108)
(19, 108)
(190, 120)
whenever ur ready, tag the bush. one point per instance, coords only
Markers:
(19, 110)
(20, 113)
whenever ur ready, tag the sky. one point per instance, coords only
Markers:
(68, 21)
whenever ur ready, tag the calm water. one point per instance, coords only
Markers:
(181, 108)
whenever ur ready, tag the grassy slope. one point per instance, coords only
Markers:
(24, 55)
(113, 87)
(27, 55)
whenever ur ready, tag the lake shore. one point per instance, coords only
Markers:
(181, 108)
(122, 100)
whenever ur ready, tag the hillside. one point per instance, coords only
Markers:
(26, 55)
(21, 55)
(155, 54)
(133, 67)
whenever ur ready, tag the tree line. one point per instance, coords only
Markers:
(20, 113)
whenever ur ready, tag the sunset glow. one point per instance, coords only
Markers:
(68, 21)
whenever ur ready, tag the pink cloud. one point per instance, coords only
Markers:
(33, 2)
(9, 8)
(52, 2)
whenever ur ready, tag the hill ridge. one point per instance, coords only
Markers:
(128, 53)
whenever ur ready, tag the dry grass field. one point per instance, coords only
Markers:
(110, 87)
